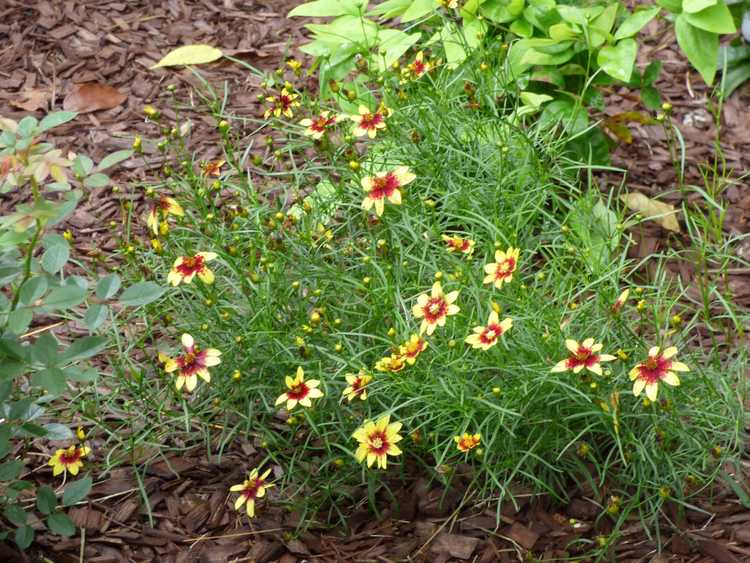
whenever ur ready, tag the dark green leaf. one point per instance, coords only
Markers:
(83, 348)
(95, 315)
(141, 294)
(55, 119)
(33, 289)
(64, 298)
(55, 257)
(19, 320)
(700, 47)
(76, 491)
(50, 379)
(115, 158)
(46, 500)
(11, 469)
(61, 524)
(56, 431)
(97, 180)
(24, 536)
(16, 514)
(4, 440)
(33, 430)
(108, 286)
(651, 97)
(44, 350)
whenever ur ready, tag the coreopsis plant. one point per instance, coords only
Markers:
(412, 348)
(467, 442)
(161, 210)
(284, 103)
(455, 243)
(377, 440)
(68, 460)
(583, 355)
(434, 308)
(369, 122)
(252, 488)
(385, 186)
(299, 391)
(485, 337)
(658, 367)
(501, 270)
(185, 268)
(191, 364)
(356, 386)
(316, 127)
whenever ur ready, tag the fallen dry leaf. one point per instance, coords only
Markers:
(190, 55)
(663, 213)
(92, 96)
(31, 100)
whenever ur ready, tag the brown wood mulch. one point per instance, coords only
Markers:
(48, 48)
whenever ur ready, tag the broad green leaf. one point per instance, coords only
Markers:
(60, 523)
(64, 298)
(24, 536)
(418, 9)
(141, 294)
(602, 25)
(393, 44)
(537, 57)
(11, 469)
(46, 499)
(19, 320)
(635, 22)
(502, 11)
(322, 8)
(83, 348)
(76, 491)
(55, 119)
(82, 165)
(674, 6)
(716, 19)
(693, 6)
(562, 32)
(95, 315)
(51, 379)
(108, 286)
(75, 373)
(735, 77)
(16, 514)
(115, 158)
(700, 47)
(97, 180)
(32, 290)
(618, 60)
(522, 28)
(190, 55)
(5, 431)
(390, 8)
(572, 14)
(663, 213)
(57, 431)
(535, 100)
(44, 350)
(55, 257)
(453, 45)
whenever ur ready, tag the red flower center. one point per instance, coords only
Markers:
(654, 369)
(251, 491)
(370, 120)
(418, 67)
(490, 333)
(384, 186)
(298, 391)
(70, 458)
(284, 101)
(378, 443)
(190, 265)
(191, 362)
(435, 309)
(582, 357)
(505, 268)
(357, 386)
(321, 123)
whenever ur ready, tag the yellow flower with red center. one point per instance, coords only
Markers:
(435, 308)
(658, 367)
(385, 185)
(583, 355)
(485, 337)
(393, 363)
(162, 209)
(69, 459)
(318, 126)
(283, 104)
(459, 244)
(192, 364)
(300, 391)
(377, 440)
(620, 301)
(185, 268)
(212, 168)
(467, 442)
(413, 348)
(501, 270)
(368, 123)
(419, 65)
(357, 385)
(254, 487)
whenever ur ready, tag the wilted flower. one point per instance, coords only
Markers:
(393, 363)
(413, 348)
(318, 126)
(501, 270)
(165, 207)
(467, 442)
(458, 244)
(193, 363)
(68, 460)
(283, 104)
(185, 268)
(656, 368)
(584, 355)
(252, 488)
(357, 386)
(212, 168)
(620, 301)
(377, 440)
(485, 337)
(299, 391)
(385, 185)
(435, 308)
(368, 123)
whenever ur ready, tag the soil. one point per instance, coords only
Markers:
(51, 47)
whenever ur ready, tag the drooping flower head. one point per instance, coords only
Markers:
(658, 367)
(385, 185)
(69, 459)
(413, 348)
(357, 385)
(435, 308)
(501, 270)
(377, 440)
(185, 268)
(299, 391)
(282, 104)
(368, 123)
(252, 488)
(485, 337)
(583, 355)
(192, 364)
(318, 126)
(467, 442)
(163, 208)
(459, 244)
(393, 363)
(620, 301)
